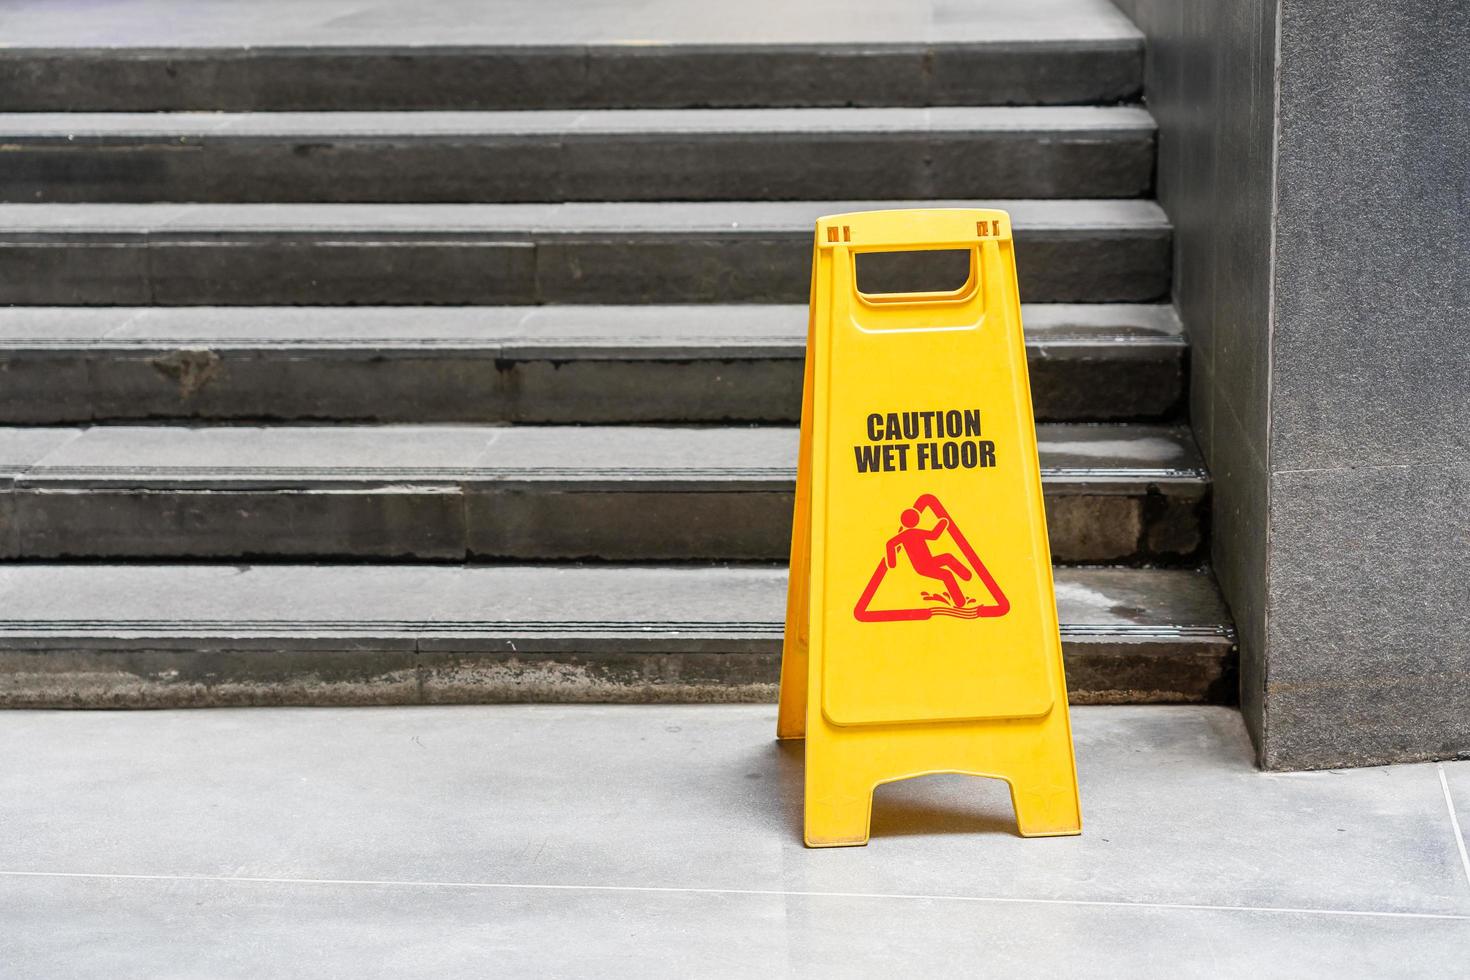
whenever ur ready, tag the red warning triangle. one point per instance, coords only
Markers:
(949, 573)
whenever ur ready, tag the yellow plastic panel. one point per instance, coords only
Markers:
(921, 622)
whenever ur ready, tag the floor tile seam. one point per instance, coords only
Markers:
(1449, 802)
(747, 892)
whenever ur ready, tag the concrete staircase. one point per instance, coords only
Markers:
(308, 399)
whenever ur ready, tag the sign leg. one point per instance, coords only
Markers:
(839, 791)
(791, 712)
(1045, 798)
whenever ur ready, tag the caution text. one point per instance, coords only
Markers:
(940, 439)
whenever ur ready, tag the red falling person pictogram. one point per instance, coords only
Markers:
(916, 543)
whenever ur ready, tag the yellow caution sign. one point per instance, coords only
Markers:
(921, 626)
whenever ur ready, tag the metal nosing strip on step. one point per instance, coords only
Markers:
(1084, 473)
(52, 627)
(511, 473)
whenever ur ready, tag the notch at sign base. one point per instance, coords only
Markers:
(1033, 757)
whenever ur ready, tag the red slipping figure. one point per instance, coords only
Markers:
(914, 540)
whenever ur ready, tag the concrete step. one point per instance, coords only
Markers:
(87, 636)
(593, 77)
(640, 155)
(138, 55)
(1115, 493)
(538, 364)
(471, 254)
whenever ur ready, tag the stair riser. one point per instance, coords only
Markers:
(537, 523)
(387, 385)
(631, 167)
(91, 673)
(623, 76)
(495, 268)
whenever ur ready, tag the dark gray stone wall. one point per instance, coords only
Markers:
(1313, 156)
(1368, 625)
(1209, 79)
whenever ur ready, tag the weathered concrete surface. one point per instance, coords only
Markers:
(462, 841)
(476, 254)
(633, 155)
(19, 450)
(349, 24)
(636, 494)
(555, 364)
(202, 635)
(148, 55)
(1114, 493)
(611, 76)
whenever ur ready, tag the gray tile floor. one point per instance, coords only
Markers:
(664, 842)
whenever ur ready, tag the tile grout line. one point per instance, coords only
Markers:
(754, 892)
(1449, 803)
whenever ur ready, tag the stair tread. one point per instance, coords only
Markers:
(1048, 121)
(320, 54)
(1070, 251)
(198, 635)
(33, 222)
(330, 25)
(634, 602)
(679, 331)
(1050, 152)
(607, 365)
(1080, 456)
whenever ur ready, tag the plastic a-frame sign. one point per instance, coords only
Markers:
(921, 625)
